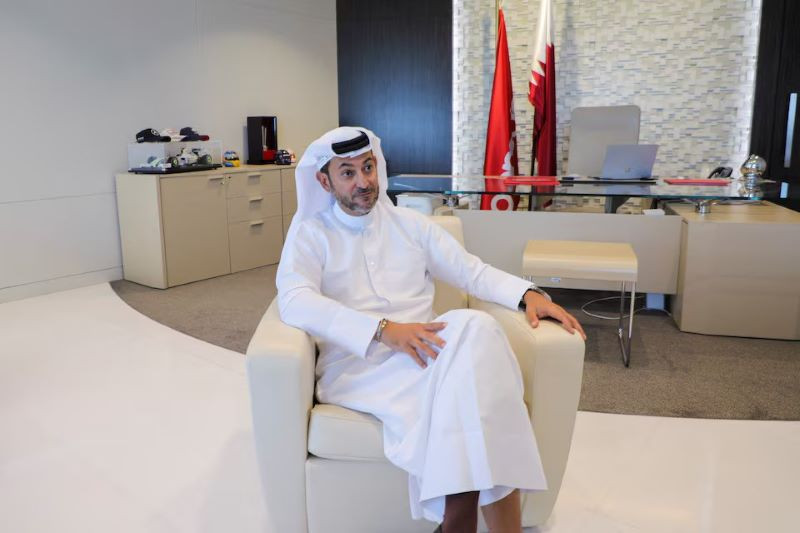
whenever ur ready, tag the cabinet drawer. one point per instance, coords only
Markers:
(254, 183)
(254, 207)
(255, 243)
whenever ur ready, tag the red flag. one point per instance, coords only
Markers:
(542, 95)
(501, 135)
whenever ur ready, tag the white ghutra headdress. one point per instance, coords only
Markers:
(345, 141)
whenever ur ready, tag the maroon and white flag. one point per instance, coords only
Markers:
(542, 95)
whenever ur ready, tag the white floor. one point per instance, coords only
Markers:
(112, 422)
(656, 474)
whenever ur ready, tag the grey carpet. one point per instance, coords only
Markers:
(223, 311)
(671, 374)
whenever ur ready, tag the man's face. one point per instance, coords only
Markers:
(353, 181)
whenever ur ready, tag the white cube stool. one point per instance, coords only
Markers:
(606, 261)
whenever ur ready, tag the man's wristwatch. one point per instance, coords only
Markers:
(379, 331)
(523, 306)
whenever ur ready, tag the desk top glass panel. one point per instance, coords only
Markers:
(657, 189)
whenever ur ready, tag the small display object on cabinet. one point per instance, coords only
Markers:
(232, 159)
(174, 157)
(262, 140)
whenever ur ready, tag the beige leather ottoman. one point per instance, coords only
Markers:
(604, 261)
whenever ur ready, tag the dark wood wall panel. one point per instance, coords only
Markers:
(395, 78)
(769, 62)
(777, 77)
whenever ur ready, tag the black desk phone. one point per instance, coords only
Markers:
(721, 172)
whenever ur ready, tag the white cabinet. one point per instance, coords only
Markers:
(181, 228)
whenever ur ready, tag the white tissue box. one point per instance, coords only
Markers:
(425, 203)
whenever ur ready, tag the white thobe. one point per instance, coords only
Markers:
(458, 425)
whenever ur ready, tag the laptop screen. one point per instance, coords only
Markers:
(629, 161)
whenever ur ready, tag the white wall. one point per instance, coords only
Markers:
(80, 78)
(689, 64)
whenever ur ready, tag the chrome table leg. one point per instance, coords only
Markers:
(625, 343)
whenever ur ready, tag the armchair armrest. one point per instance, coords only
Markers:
(280, 371)
(551, 361)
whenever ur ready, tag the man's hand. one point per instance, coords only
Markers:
(414, 339)
(537, 306)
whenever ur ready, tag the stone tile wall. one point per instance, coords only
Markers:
(688, 64)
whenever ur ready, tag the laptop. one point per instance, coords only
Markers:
(629, 162)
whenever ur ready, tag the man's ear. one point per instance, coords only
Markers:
(323, 180)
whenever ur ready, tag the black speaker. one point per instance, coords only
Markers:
(262, 140)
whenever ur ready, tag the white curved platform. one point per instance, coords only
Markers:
(110, 421)
(113, 422)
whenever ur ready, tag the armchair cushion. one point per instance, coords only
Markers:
(335, 432)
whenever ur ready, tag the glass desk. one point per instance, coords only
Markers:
(617, 192)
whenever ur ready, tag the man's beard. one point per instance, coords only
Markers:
(351, 202)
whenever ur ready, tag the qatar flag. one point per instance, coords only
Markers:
(501, 135)
(542, 95)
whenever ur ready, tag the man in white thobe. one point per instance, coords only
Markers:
(357, 274)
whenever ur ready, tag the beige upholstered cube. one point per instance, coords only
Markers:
(603, 261)
(607, 261)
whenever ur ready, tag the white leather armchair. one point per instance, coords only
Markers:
(322, 466)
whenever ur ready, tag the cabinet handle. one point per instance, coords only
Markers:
(214, 178)
(787, 151)
(256, 223)
(256, 199)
